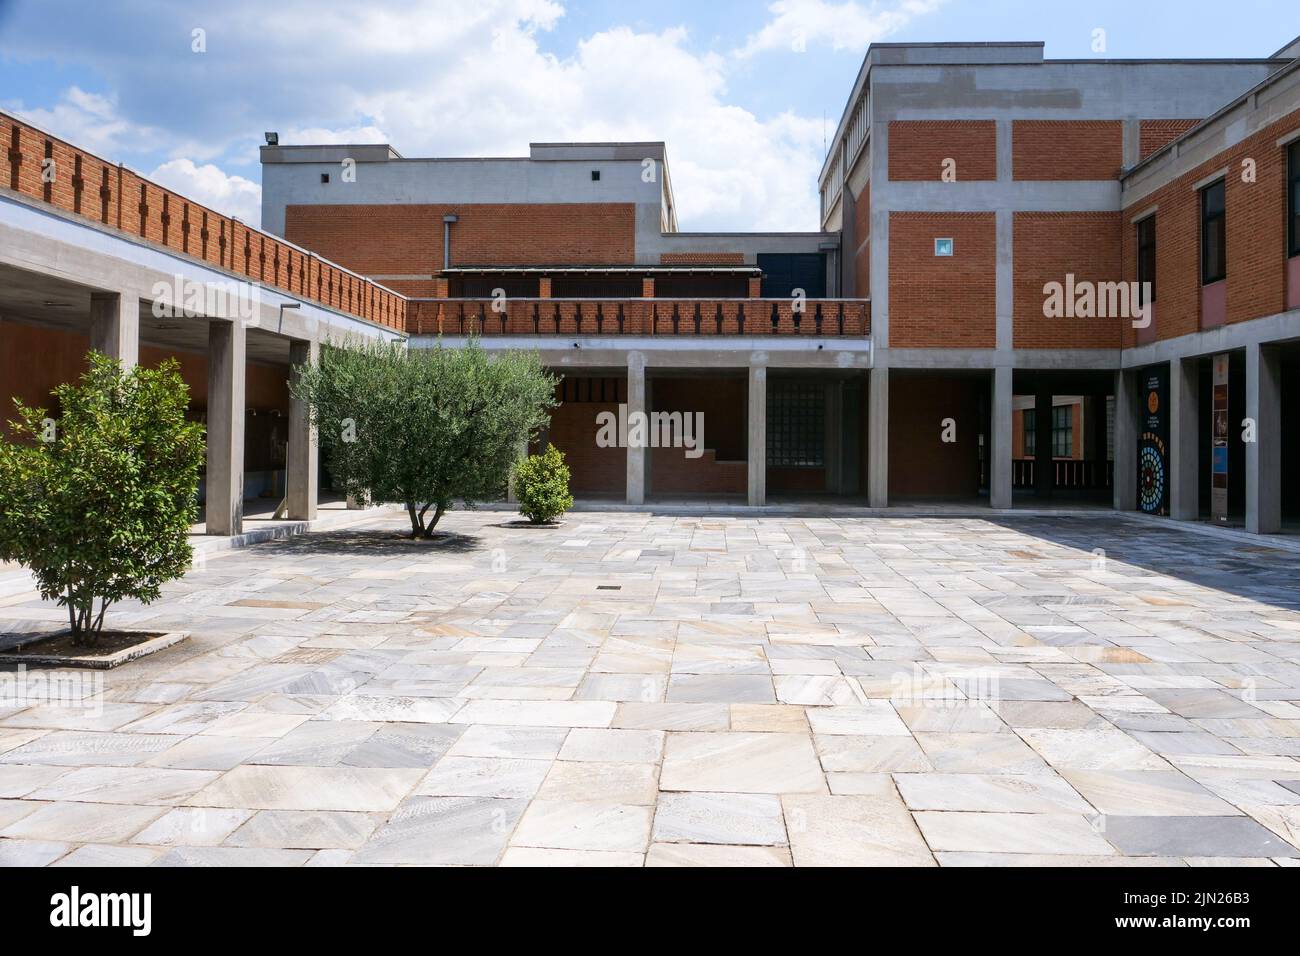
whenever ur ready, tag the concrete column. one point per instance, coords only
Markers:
(878, 438)
(225, 478)
(302, 474)
(1000, 442)
(1126, 437)
(1264, 454)
(636, 406)
(833, 440)
(1044, 468)
(1184, 461)
(757, 454)
(115, 326)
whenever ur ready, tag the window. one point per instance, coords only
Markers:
(796, 425)
(1293, 198)
(1146, 248)
(324, 177)
(1214, 260)
(595, 175)
(1062, 431)
(1029, 425)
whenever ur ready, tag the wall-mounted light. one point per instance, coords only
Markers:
(272, 139)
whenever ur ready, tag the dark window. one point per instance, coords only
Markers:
(324, 177)
(1214, 259)
(1062, 431)
(1146, 240)
(785, 272)
(595, 175)
(1293, 197)
(1029, 418)
(702, 287)
(796, 425)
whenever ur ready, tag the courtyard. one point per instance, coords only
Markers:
(631, 688)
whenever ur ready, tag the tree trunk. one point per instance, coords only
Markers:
(417, 526)
(433, 522)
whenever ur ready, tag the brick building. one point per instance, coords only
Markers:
(1034, 281)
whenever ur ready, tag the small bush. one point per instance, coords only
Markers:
(542, 486)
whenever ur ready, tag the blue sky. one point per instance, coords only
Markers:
(743, 112)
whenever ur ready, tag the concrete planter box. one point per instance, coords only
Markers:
(94, 661)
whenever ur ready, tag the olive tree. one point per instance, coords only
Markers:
(424, 426)
(99, 503)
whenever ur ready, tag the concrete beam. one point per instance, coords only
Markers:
(1264, 454)
(878, 438)
(1126, 436)
(757, 448)
(302, 465)
(636, 406)
(115, 326)
(1184, 440)
(225, 478)
(1000, 443)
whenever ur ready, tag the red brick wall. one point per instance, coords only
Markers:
(1156, 133)
(941, 301)
(920, 464)
(1048, 245)
(722, 469)
(402, 239)
(1256, 242)
(918, 148)
(1046, 150)
(573, 430)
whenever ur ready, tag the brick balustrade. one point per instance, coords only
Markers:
(643, 316)
(75, 181)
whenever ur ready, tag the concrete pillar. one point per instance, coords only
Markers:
(1000, 442)
(1264, 454)
(757, 454)
(115, 326)
(636, 407)
(1126, 437)
(878, 438)
(302, 474)
(1044, 468)
(1184, 437)
(225, 478)
(833, 440)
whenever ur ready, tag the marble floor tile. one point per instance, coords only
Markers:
(990, 793)
(308, 788)
(852, 831)
(741, 762)
(1049, 833)
(1146, 793)
(716, 855)
(584, 825)
(484, 777)
(456, 831)
(739, 818)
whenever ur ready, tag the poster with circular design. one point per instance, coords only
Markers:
(1151, 483)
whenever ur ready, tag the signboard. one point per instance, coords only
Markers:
(1219, 455)
(1153, 446)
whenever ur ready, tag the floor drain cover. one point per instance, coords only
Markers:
(609, 587)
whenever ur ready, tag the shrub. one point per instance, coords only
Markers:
(424, 426)
(99, 504)
(542, 486)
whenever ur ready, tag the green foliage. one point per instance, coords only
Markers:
(99, 504)
(424, 427)
(542, 486)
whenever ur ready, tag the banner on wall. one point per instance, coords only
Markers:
(1219, 453)
(1153, 446)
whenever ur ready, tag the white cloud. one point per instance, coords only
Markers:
(798, 24)
(87, 120)
(445, 78)
(212, 187)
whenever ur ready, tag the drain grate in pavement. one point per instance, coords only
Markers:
(609, 587)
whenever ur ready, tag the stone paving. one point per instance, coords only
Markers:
(635, 689)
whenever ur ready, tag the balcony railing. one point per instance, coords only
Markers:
(519, 316)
